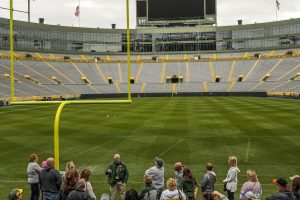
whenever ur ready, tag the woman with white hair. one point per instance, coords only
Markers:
(252, 185)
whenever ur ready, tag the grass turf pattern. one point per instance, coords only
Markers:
(262, 132)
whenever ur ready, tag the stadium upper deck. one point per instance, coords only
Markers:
(55, 38)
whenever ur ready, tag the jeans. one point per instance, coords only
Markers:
(50, 196)
(230, 195)
(35, 191)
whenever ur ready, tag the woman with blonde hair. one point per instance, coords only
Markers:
(230, 183)
(33, 171)
(172, 193)
(252, 185)
(70, 167)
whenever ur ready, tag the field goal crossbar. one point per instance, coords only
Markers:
(63, 103)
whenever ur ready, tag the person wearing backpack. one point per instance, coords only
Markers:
(149, 192)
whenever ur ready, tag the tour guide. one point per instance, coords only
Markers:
(117, 177)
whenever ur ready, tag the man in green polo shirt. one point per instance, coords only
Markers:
(117, 173)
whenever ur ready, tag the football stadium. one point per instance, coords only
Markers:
(178, 87)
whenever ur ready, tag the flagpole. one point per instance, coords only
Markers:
(276, 9)
(79, 13)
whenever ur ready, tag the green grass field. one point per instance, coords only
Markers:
(262, 132)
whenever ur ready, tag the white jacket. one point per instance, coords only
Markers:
(172, 195)
(231, 179)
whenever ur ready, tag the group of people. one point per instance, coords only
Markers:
(74, 184)
(52, 185)
(185, 187)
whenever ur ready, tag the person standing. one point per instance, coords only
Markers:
(117, 173)
(284, 192)
(80, 192)
(50, 181)
(208, 182)
(230, 183)
(33, 171)
(296, 186)
(69, 184)
(188, 184)
(85, 174)
(178, 170)
(157, 173)
(149, 192)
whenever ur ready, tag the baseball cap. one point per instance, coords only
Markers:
(282, 182)
(14, 194)
(159, 161)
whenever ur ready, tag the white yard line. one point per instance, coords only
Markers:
(80, 153)
(170, 148)
(33, 107)
(248, 150)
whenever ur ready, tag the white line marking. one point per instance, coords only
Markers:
(80, 153)
(171, 147)
(34, 107)
(248, 149)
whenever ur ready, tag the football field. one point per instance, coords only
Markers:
(264, 133)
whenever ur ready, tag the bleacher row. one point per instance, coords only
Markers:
(44, 78)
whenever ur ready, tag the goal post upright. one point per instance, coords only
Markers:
(11, 53)
(128, 50)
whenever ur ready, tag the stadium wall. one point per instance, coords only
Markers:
(56, 38)
(179, 94)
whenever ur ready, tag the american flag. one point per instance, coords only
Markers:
(77, 12)
(277, 4)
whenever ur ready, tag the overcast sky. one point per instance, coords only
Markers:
(102, 13)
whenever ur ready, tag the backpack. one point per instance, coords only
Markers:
(151, 195)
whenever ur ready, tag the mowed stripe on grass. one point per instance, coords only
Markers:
(262, 132)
